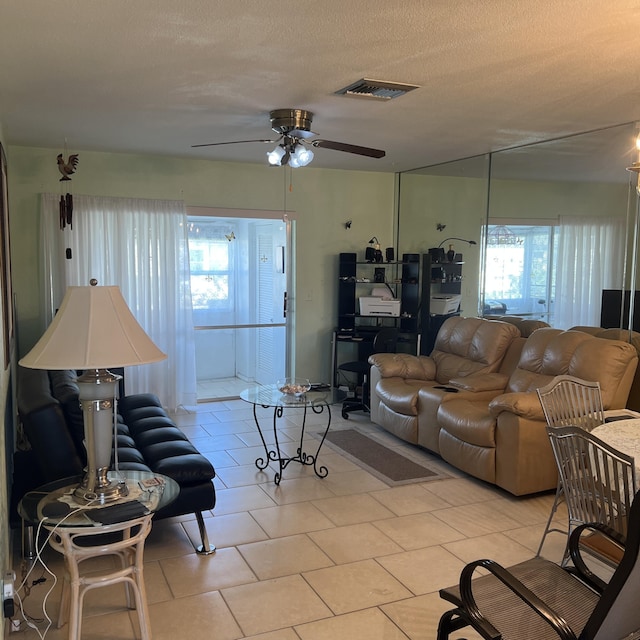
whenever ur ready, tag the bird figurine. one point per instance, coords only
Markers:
(67, 168)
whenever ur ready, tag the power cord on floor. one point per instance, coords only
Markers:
(30, 621)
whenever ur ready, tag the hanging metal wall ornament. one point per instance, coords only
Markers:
(66, 211)
(67, 169)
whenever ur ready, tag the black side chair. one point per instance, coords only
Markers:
(384, 341)
(538, 599)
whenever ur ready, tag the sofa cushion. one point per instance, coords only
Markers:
(400, 394)
(526, 405)
(34, 390)
(468, 421)
(479, 462)
(552, 352)
(470, 345)
(64, 387)
(404, 365)
(154, 435)
(526, 326)
(52, 444)
(403, 426)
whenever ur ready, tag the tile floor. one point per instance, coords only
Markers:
(220, 389)
(311, 559)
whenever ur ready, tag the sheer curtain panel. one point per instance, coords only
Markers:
(140, 246)
(590, 259)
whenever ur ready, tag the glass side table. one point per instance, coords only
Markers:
(54, 501)
(318, 401)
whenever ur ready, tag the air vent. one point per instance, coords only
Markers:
(376, 89)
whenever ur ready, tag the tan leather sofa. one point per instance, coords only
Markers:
(503, 440)
(493, 427)
(407, 390)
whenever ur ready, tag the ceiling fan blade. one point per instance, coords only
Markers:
(216, 144)
(349, 148)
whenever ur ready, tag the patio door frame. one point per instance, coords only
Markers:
(289, 222)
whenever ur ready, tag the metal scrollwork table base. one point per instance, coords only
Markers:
(319, 402)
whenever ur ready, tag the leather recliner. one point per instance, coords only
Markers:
(407, 390)
(503, 440)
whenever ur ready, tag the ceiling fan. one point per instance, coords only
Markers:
(294, 127)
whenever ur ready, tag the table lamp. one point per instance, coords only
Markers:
(94, 329)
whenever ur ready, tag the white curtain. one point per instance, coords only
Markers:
(590, 259)
(140, 246)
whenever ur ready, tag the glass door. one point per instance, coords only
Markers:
(238, 288)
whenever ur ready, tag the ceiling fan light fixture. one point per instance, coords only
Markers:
(275, 156)
(300, 157)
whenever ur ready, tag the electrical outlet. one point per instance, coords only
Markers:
(8, 606)
(8, 581)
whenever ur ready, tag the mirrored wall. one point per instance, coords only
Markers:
(554, 225)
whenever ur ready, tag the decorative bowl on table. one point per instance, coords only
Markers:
(295, 387)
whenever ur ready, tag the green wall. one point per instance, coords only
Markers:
(322, 199)
(459, 203)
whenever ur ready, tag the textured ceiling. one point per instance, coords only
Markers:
(153, 76)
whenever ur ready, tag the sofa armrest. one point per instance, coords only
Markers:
(404, 365)
(525, 404)
(481, 382)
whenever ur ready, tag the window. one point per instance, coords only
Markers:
(519, 270)
(210, 260)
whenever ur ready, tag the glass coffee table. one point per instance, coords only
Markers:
(319, 401)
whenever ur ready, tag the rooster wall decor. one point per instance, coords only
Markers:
(67, 168)
(66, 201)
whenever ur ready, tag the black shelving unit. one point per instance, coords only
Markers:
(356, 279)
(402, 279)
(445, 278)
(413, 281)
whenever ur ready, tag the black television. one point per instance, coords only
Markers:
(614, 312)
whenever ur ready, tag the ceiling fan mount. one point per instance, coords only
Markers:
(292, 122)
(294, 129)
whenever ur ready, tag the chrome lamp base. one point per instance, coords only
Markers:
(99, 489)
(97, 393)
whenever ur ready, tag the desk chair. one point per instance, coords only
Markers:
(384, 341)
(569, 401)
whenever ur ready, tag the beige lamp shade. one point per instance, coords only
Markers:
(93, 329)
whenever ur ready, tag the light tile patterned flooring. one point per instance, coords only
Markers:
(220, 389)
(312, 559)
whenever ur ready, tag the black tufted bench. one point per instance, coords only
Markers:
(148, 440)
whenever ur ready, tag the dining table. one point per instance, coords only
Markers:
(623, 434)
